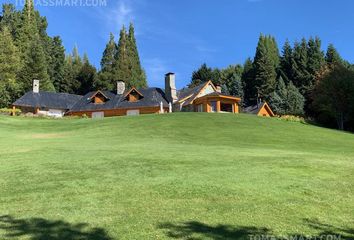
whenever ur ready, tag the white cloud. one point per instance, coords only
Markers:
(114, 16)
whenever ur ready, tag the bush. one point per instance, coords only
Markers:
(8, 111)
(292, 118)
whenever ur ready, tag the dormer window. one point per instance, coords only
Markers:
(98, 98)
(133, 95)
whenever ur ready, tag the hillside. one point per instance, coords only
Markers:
(207, 176)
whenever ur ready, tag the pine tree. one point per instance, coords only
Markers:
(277, 99)
(56, 65)
(108, 58)
(122, 71)
(315, 55)
(86, 77)
(69, 80)
(286, 61)
(248, 83)
(332, 56)
(264, 65)
(231, 80)
(286, 99)
(299, 65)
(35, 67)
(138, 78)
(10, 18)
(9, 67)
(28, 29)
(204, 74)
(76, 68)
(105, 78)
(294, 103)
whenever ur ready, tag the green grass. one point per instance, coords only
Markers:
(200, 176)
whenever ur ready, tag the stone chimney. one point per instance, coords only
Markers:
(36, 86)
(170, 87)
(218, 88)
(120, 87)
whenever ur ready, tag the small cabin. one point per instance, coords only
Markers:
(261, 109)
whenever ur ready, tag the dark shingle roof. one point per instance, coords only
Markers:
(254, 109)
(47, 100)
(152, 97)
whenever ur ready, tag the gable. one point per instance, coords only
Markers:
(265, 111)
(197, 92)
(99, 98)
(133, 95)
(207, 90)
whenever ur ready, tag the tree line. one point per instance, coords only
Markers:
(302, 80)
(27, 53)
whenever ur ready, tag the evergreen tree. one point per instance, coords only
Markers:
(277, 99)
(86, 77)
(248, 83)
(138, 78)
(286, 99)
(299, 66)
(286, 61)
(105, 79)
(315, 55)
(332, 56)
(76, 68)
(294, 103)
(11, 19)
(28, 29)
(35, 67)
(108, 58)
(122, 70)
(9, 67)
(265, 64)
(231, 80)
(204, 74)
(57, 64)
(69, 80)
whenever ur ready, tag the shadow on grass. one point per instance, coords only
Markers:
(188, 229)
(194, 230)
(43, 229)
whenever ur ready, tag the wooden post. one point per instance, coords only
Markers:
(218, 106)
(13, 110)
(236, 108)
(207, 107)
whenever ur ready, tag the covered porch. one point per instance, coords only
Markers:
(217, 102)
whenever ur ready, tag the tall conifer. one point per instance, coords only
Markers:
(122, 71)
(138, 78)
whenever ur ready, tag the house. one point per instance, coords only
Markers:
(260, 109)
(97, 104)
(46, 103)
(132, 102)
(202, 98)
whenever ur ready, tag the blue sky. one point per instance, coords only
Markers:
(180, 35)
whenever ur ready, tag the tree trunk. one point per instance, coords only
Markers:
(340, 121)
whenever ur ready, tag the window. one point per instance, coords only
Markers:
(226, 107)
(200, 108)
(133, 112)
(97, 115)
(213, 106)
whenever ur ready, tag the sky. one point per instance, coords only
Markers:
(180, 35)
